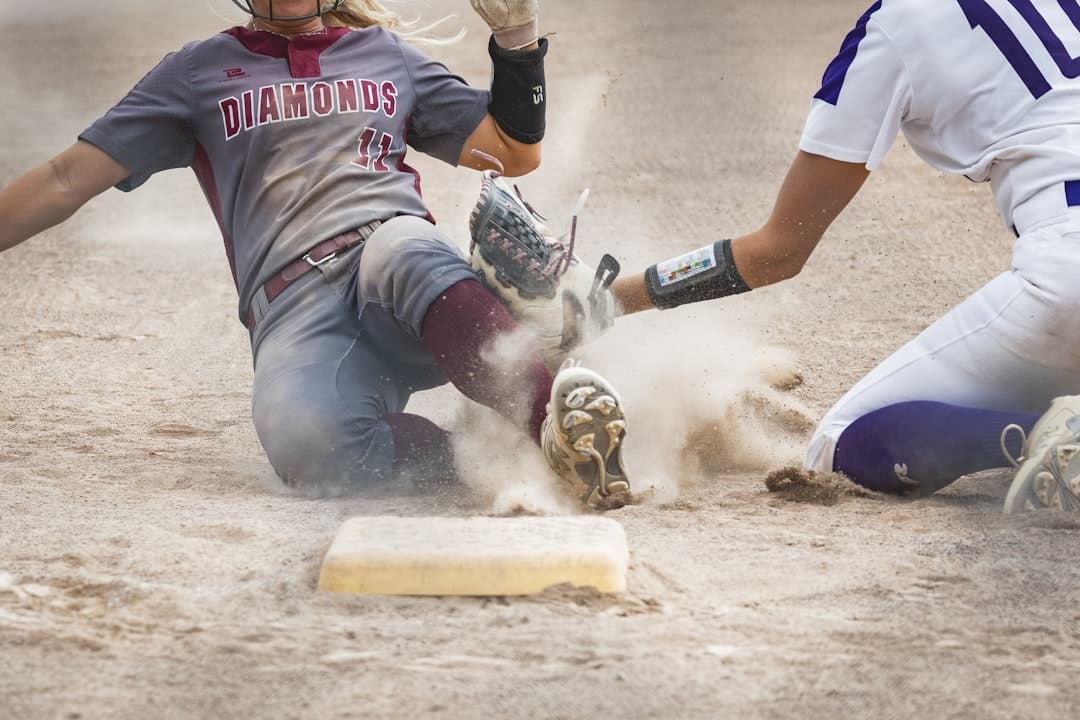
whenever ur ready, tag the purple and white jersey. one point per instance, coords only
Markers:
(989, 89)
(293, 143)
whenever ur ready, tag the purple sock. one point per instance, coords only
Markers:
(929, 444)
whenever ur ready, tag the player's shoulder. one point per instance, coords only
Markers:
(898, 17)
(209, 46)
(912, 10)
(369, 37)
(910, 27)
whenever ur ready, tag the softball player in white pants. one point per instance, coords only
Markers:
(988, 89)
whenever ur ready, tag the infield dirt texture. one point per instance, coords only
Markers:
(151, 566)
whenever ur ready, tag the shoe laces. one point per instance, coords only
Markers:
(1073, 424)
(1017, 461)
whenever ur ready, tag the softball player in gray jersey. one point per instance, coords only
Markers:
(297, 127)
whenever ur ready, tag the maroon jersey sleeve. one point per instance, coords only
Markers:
(447, 108)
(151, 129)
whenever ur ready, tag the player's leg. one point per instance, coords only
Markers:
(418, 296)
(327, 407)
(1050, 475)
(935, 410)
(920, 446)
(411, 276)
(583, 426)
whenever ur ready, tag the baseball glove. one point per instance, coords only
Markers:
(536, 274)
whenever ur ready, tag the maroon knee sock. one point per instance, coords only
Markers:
(458, 327)
(421, 448)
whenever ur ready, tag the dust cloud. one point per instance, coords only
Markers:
(698, 401)
(697, 405)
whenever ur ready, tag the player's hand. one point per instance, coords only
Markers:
(512, 22)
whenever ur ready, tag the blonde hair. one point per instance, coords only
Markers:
(360, 14)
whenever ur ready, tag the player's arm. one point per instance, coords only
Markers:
(814, 192)
(53, 191)
(515, 123)
(517, 158)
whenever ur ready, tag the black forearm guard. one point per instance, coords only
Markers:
(696, 276)
(518, 92)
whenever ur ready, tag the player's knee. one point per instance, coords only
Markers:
(320, 455)
(404, 252)
(383, 250)
(822, 448)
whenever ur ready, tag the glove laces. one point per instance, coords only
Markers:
(561, 246)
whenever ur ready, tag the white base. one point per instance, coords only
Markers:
(477, 556)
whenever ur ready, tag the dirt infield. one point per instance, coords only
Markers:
(151, 565)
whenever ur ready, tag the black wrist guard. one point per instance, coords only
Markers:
(518, 92)
(703, 274)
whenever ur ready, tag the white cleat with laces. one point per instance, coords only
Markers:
(582, 437)
(1048, 472)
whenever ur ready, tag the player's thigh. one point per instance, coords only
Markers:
(320, 393)
(996, 350)
(406, 264)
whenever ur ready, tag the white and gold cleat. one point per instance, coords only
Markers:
(582, 437)
(1048, 476)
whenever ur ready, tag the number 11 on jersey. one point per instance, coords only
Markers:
(366, 150)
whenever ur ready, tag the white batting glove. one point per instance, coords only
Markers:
(512, 22)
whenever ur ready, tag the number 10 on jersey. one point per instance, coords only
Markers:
(981, 15)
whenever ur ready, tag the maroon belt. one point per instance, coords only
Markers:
(322, 253)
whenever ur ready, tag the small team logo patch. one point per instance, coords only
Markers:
(234, 73)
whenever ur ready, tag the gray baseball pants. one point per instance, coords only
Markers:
(340, 348)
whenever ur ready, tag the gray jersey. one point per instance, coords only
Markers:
(294, 142)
